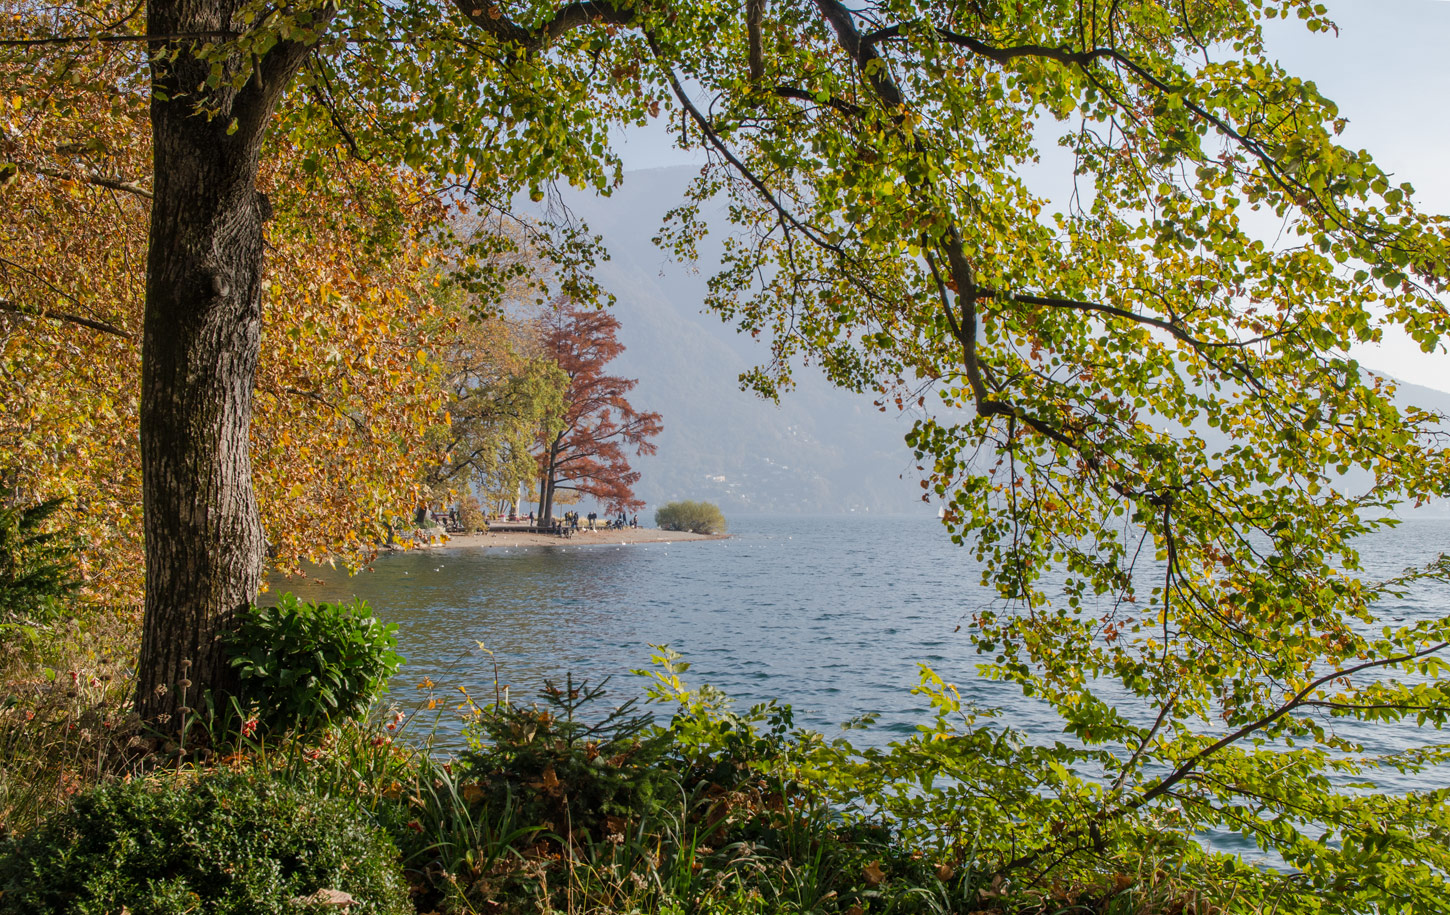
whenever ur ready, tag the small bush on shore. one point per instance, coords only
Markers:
(231, 843)
(471, 516)
(695, 517)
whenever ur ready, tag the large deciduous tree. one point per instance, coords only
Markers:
(585, 453)
(218, 70)
(346, 384)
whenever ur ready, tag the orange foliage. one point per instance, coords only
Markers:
(347, 387)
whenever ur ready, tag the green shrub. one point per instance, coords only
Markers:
(37, 566)
(305, 664)
(563, 773)
(696, 517)
(229, 843)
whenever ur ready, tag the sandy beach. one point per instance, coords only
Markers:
(584, 537)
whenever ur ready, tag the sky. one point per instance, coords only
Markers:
(1388, 69)
(1389, 72)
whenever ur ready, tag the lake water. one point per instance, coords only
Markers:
(829, 614)
(832, 615)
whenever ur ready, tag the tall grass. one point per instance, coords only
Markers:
(65, 691)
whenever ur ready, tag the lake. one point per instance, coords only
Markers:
(830, 614)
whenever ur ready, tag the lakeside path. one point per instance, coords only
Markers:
(584, 537)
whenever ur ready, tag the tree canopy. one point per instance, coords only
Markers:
(505, 391)
(347, 382)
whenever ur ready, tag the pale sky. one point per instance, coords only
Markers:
(1389, 72)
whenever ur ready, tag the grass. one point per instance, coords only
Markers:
(64, 717)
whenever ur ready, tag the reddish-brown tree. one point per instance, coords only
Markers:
(587, 456)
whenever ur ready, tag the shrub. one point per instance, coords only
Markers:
(562, 772)
(304, 664)
(696, 517)
(37, 567)
(470, 515)
(230, 843)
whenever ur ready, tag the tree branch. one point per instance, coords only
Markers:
(729, 156)
(1178, 774)
(66, 318)
(754, 13)
(96, 178)
(58, 40)
(486, 15)
(318, 398)
(844, 107)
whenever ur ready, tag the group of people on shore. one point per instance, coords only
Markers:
(618, 522)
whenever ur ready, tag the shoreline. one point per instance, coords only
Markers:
(584, 537)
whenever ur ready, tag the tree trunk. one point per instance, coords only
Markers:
(202, 332)
(546, 500)
(546, 482)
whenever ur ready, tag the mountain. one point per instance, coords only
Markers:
(820, 451)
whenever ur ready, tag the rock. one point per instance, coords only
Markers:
(326, 897)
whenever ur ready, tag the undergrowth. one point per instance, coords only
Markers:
(560, 804)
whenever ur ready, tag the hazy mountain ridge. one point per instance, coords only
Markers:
(822, 450)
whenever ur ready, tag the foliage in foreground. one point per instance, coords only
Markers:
(231, 843)
(562, 805)
(64, 712)
(557, 806)
(697, 517)
(302, 664)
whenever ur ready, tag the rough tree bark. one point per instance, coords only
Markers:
(202, 331)
(204, 540)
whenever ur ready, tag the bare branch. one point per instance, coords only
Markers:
(98, 179)
(65, 318)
